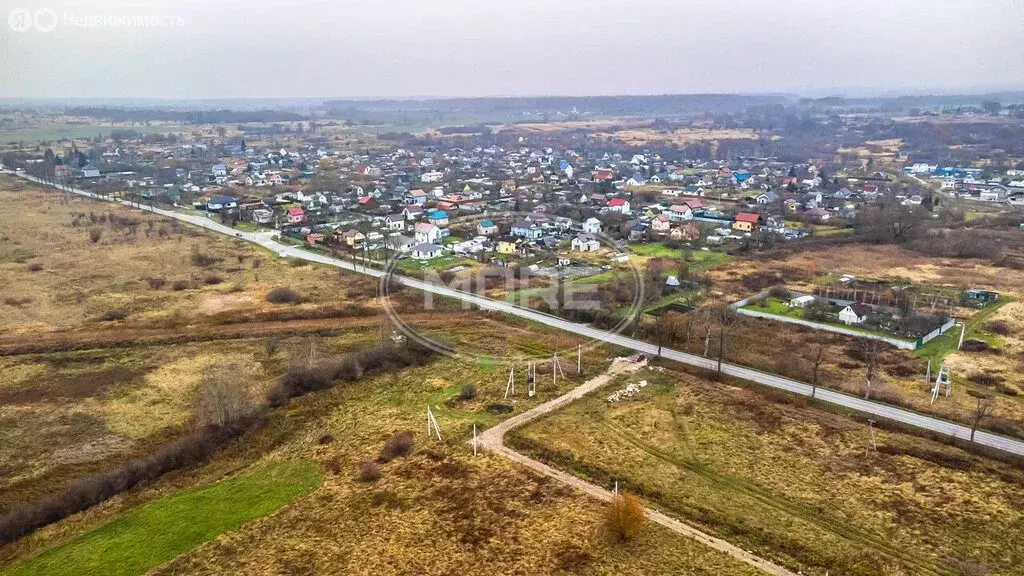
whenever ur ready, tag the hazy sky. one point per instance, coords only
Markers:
(392, 48)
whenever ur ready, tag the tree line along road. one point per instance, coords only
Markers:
(868, 407)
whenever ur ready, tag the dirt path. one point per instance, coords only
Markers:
(493, 439)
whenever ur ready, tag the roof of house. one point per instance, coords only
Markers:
(617, 202)
(425, 247)
(748, 217)
(297, 211)
(487, 224)
(860, 309)
(424, 227)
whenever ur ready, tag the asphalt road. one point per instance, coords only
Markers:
(867, 407)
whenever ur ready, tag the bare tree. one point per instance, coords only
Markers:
(982, 409)
(665, 329)
(224, 396)
(819, 358)
(870, 349)
(726, 319)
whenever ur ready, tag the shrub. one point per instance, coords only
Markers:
(35, 267)
(17, 302)
(111, 315)
(283, 295)
(95, 234)
(83, 493)
(986, 379)
(297, 262)
(369, 472)
(325, 439)
(625, 517)
(399, 446)
(468, 392)
(179, 285)
(203, 259)
(332, 467)
(156, 283)
(998, 327)
(212, 279)
(975, 346)
(237, 287)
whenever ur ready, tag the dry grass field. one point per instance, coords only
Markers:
(141, 270)
(796, 484)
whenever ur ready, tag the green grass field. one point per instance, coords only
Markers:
(162, 529)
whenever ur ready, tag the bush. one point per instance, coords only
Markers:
(332, 467)
(17, 302)
(200, 258)
(998, 327)
(35, 267)
(95, 234)
(156, 283)
(369, 472)
(111, 315)
(283, 295)
(399, 446)
(625, 517)
(325, 439)
(468, 392)
(83, 493)
(975, 346)
(212, 279)
(179, 285)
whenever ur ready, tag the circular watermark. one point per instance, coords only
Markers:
(519, 264)
(20, 19)
(45, 20)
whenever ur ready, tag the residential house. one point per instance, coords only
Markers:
(767, 198)
(801, 301)
(818, 214)
(585, 243)
(412, 212)
(680, 213)
(509, 245)
(395, 222)
(354, 238)
(620, 205)
(688, 232)
(487, 228)
(746, 222)
(416, 197)
(296, 215)
(367, 203)
(262, 216)
(218, 203)
(592, 226)
(426, 251)
(855, 313)
(427, 233)
(438, 217)
(604, 175)
(526, 229)
(431, 177)
(636, 180)
(660, 224)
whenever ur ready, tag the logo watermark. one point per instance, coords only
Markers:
(524, 276)
(47, 20)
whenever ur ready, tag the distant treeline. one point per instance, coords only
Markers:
(185, 116)
(606, 105)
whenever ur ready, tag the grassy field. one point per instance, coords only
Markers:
(797, 485)
(156, 532)
(142, 270)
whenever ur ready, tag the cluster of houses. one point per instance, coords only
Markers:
(974, 183)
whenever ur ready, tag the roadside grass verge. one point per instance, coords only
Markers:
(156, 532)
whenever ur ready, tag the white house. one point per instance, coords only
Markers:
(426, 251)
(680, 213)
(585, 243)
(855, 313)
(592, 226)
(395, 222)
(619, 205)
(434, 176)
(801, 301)
(427, 233)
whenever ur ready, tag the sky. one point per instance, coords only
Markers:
(447, 48)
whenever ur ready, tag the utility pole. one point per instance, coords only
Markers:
(871, 427)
